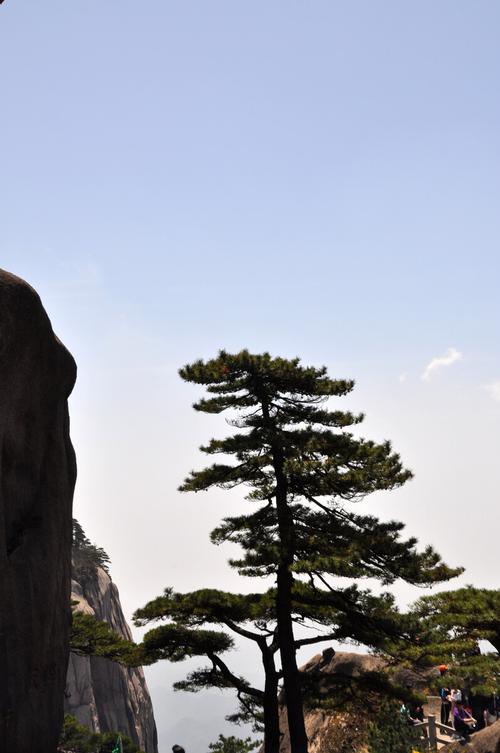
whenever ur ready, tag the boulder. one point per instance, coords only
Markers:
(37, 477)
(485, 741)
(329, 730)
(341, 724)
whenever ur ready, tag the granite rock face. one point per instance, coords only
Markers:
(37, 477)
(101, 694)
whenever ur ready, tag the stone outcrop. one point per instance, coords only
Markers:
(485, 741)
(330, 731)
(344, 729)
(101, 694)
(37, 477)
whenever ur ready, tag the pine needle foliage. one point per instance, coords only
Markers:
(466, 614)
(390, 733)
(185, 635)
(86, 556)
(450, 626)
(233, 744)
(92, 637)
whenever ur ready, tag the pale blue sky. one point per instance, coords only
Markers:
(319, 179)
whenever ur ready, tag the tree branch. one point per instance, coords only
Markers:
(317, 639)
(257, 637)
(237, 682)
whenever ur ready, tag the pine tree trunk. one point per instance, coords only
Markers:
(272, 735)
(291, 679)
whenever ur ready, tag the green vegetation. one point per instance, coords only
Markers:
(390, 732)
(466, 615)
(78, 739)
(303, 469)
(89, 636)
(233, 745)
(92, 637)
(186, 636)
(449, 626)
(87, 557)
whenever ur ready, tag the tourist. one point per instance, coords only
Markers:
(493, 709)
(463, 722)
(406, 714)
(444, 694)
(455, 696)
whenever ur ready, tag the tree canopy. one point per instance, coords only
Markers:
(449, 627)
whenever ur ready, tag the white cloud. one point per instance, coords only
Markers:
(452, 355)
(403, 377)
(493, 390)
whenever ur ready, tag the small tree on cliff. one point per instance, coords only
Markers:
(302, 467)
(86, 557)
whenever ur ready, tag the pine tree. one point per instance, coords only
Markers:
(86, 557)
(303, 469)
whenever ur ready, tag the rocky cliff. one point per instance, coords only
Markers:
(101, 694)
(37, 477)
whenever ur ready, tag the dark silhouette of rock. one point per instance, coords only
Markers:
(101, 694)
(37, 477)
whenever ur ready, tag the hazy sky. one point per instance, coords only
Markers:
(318, 179)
